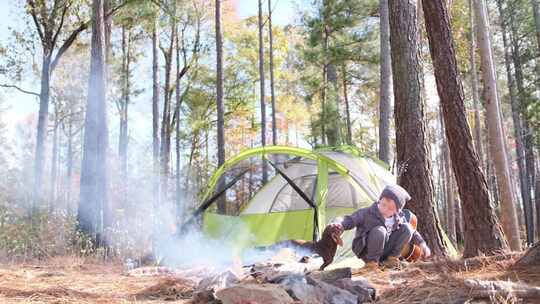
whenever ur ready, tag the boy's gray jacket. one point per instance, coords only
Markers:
(368, 218)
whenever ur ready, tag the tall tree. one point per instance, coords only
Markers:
(482, 231)
(448, 173)
(166, 117)
(49, 21)
(219, 98)
(93, 206)
(331, 96)
(122, 107)
(155, 113)
(262, 89)
(272, 93)
(414, 165)
(54, 160)
(385, 84)
(474, 87)
(496, 138)
(526, 132)
(536, 12)
(515, 102)
(347, 104)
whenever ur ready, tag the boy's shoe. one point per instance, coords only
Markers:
(394, 263)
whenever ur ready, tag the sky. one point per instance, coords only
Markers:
(20, 105)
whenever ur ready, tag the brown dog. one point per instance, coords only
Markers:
(326, 247)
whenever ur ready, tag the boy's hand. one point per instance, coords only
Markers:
(426, 252)
(337, 226)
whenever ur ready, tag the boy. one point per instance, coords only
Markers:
(382, 230)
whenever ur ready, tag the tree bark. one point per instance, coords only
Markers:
(525, 186)
(43, 119)
(526, 133)
(448, 176)
(165, 148)
(54, 162)
(474, 86)
(93, 206)
(496, 137)
(385, 85)
(219, 97)
(347, 106)
(155, 131)
(536, 13)
(179, 209)
(482, 230)
(272, 93)
(123, 113)
(69, 168)
(414, 165)
(262, 86)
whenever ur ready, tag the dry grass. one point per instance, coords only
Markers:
(77, 280)
(443, 282)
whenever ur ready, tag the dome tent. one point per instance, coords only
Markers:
(337, 182)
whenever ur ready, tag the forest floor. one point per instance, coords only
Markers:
(75, 280)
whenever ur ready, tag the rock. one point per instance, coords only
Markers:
(361, 288)
(332, 294)
(204, 297)
(254, 294)
(298, 288)
(330, 276)
(218, 282)
(309, 290)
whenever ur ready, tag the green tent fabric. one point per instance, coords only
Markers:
(338, 181)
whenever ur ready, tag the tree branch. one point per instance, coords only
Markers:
(22, 90)
(36, 22)
(66, 7)
(65, 46)
(68, 43)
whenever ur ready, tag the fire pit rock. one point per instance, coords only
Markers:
(254, 294)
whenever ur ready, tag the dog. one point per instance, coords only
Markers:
(326, 247)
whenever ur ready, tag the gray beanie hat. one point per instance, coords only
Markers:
(396, 193)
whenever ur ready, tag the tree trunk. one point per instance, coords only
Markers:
(537, 199)
(179, 209)
(332, 112)
(165, 149)
(272, 95)
(263, 104)
(93, 205)
(54, 161)
(496, 139)
(155, 133)
(482, 230)
(385, 85)
(526, 133)
(412, 148)
(43, 120)
(347, 107)
(518, 132)
(448, 176)
(536, 12)
(474, 86)
(219, 101)
(155, 115)
(69, 168)
(123, 113)
(330, 107)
